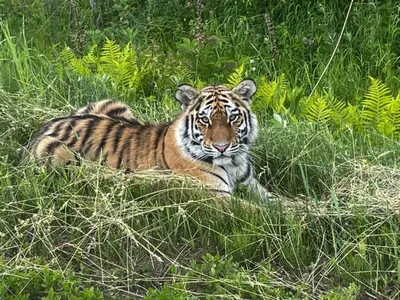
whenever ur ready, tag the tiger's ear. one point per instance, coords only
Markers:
(246, 89)
(186, 94)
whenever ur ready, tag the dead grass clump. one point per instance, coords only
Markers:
(372, 186)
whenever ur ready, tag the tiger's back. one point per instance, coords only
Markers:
(118, 143)
(110, 108)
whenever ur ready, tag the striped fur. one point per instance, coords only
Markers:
(209, 139)
(110, 108)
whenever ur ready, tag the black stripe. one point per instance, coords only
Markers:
(78, 117)
(227, 174)
(234, 162)
(44, 128)
(246, 175)
(209, 102)
(216, 175)
(157, 138)
(52, 146)
(104, 158)
(87, 148)
(245, 131)
(86, 109)
(104, 139)
(118, 136)
(90, 126)
(247, 117)
(121, 152)
(140, 133)
(219, 191)
(195, 143)
(128, 148)
(133, 122)
(116, 111)
(77, 158)
(120, 158)
(208, 159)
(163, 147)
(185, 133)
(75, 139)
(197, 106)
(247, 121)
(56, 129)
(106, 104)
(193, 124)
(68, 130)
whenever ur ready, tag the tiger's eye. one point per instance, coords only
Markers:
(233, 118)
(204, 119)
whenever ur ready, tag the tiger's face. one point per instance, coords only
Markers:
(217, 123)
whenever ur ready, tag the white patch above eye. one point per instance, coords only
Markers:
(229, 109)
(232, 110)
(205, 112)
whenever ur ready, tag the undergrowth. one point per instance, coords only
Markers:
(89, 232)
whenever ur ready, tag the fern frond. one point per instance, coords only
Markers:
(114, 65)
(318, 112)
(377, 98)
(351, 116)
(236, 77)
(185, 73)
(198, 83)
(266, 91)
(282, 83)
(273, 94)
(337, 107)
(90, 57)
(80, 66)
(279, 104)
(110, 52)
(386, 125)
(67, 55)
(392, 116)
(305, 104)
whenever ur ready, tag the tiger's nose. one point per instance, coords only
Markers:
(221, 148)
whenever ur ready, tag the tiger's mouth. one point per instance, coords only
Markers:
(222, 158)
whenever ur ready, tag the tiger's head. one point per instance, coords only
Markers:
(217, 124)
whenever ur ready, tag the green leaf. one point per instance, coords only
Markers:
(375, 102)
(318, 111)
(236, 77)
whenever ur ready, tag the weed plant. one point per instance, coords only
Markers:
(88, 232)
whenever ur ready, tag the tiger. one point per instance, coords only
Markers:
(209, 140)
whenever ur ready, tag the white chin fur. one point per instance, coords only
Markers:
(222, 160)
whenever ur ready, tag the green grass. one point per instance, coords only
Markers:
(334, 233)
